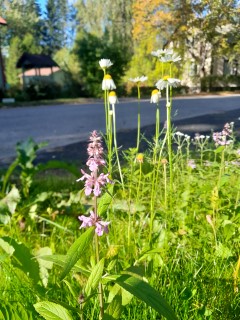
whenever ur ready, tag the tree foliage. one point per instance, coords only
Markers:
(104, 31)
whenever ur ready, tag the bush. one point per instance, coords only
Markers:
(220, 83)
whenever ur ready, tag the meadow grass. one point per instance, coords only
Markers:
(188, 258)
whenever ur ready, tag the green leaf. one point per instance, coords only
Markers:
(23, 259)
(8, 205)
(146, 293)
(60, 260)
(114, 309)
(94, 278)
(52, 311)
(76, 250)
(219, 149)
(43, 264)
(7, 247)
(105, 201)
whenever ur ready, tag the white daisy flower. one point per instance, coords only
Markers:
(108, 83)
(112, 97)
(105, 63)
(170, 58)
(155, 97)
(138, 79)
(162, 52)
(167, 81)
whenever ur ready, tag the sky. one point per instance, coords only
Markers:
(42, 4)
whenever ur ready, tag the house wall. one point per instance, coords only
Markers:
(56, 77)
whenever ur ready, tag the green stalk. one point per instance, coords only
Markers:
(115, 143)
(139, 117)
(109, 135)
(156, 133)
(139, 180)
(96, 238)
(169, 142)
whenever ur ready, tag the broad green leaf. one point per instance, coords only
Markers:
(126, 296)
(1, 315)
(8, 205)
(12, 199)
(94, 278)
(43, 264)
(52, 311)
(223, 251)
(23, 259)
(219, 149)
(105, 201)
(76, 251)
(146, 293)
(114, 309)
(60, 260)
(7, 247)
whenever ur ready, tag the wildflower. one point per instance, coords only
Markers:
(222, 138)
(162, 52)
(139, 157)
(155, 97)
(180, 134)
(112, 97)
(170, 58)
(105, 63)
(108, 83)
(94, 220)
(167, 81)
(191, 164)
(95, 148)
(93, 182)
(137, 80)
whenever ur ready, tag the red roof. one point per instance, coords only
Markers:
(2, 21)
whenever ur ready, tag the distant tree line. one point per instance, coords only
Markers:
(78, 34)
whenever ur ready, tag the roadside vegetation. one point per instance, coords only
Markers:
(132, 235)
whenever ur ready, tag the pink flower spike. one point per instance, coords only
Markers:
(94, 220)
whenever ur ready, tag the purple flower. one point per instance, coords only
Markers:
(93, 163)
(94, 183)
(222, 138)
(94, 220)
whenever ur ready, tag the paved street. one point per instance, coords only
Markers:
(61, 125)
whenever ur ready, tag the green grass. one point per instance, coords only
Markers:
(190, 261)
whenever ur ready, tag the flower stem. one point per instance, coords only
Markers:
(100, 288)
(156, 134)
(115, 143)
(169, 143)
(139, 118)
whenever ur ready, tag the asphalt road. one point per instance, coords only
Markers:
(63, 125)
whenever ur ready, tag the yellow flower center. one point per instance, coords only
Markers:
(139, 157)
(165, 78)
(107, 77)
(155, 91)
(112, 94)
